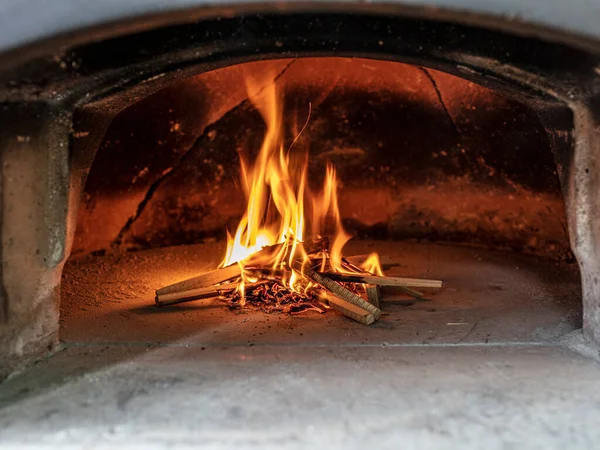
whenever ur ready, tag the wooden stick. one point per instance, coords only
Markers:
(202, 281)
(193, 294)
(353, 268)
(316, 245)
(223, 274)
(310, 247)
(373, 294)
(406, 290)
(383, 281)
(334, 288)
(350, 310)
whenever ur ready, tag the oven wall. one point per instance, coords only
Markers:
(420, 154)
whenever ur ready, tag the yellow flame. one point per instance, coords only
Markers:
(268, 183)
(372, 265)
(275, 185)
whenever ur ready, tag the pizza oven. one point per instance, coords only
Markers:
(463, 146)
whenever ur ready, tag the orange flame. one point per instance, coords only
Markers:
(275, 186)
(372, 265)
(275, 209)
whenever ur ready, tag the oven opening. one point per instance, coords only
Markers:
(319, 200)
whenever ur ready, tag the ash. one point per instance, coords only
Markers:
(273, 296)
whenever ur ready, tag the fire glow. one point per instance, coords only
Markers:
(286, 253)
(278, 197)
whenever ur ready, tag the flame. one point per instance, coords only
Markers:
(327, 207)
(372, 265)
(270, 191)
(275, 186)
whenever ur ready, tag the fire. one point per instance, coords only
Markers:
(278, 198)
(372, 265)
(286, 253)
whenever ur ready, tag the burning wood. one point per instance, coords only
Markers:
(384, 281)
(373, 294)
(350, 310)
(356, 295)
(336, 289)
(268, 261)
(205, 280)
(173, 298)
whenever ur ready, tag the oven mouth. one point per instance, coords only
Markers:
(503, 192)
(441, 177)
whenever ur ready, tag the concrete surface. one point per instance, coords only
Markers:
(483, 364)
(19, 24)
(33, 225)
(287, 397)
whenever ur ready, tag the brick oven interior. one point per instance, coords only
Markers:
(440, 176)
(450, 167)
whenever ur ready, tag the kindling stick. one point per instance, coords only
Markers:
(232, 271)
(382, 281)
(205, 280)
(194, 294)
(336, 289)
(350, 310)
(373, 294)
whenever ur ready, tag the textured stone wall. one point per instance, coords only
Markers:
(34, 147)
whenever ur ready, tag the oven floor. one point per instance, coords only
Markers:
(488, 297)
(479, 365)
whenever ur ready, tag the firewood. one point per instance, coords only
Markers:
(223, 274)
(372, 291)
(351, 267)
(203, 281)
(316, 245)
(310, 247)
(383, 281)
(173, 298)
(334, 288)
(350, 310)
(373, 294)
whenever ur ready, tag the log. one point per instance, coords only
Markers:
(373, 295)
(351, 267)
(382, 281)
(310, 247)
(194, 294)
(406, 290)
(205, 280)
(373, 292)
(316, 245)
(223, 274)
(350, 310)
(337, 290)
